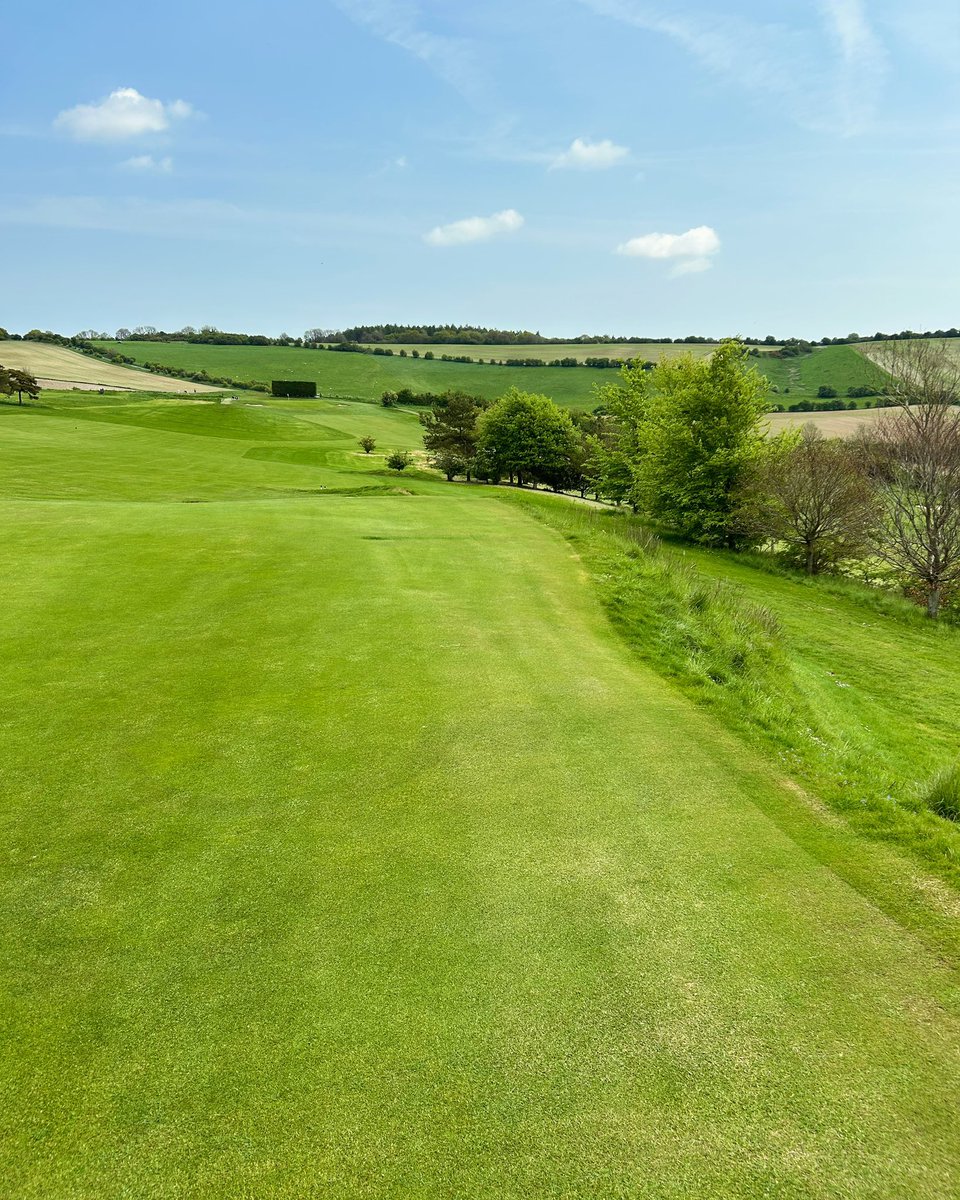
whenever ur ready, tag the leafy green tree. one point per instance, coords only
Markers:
(6, 385)
(450, 431)
(690, 430)
(527, 438)
(368, 444)
(23, 381)
(451, 464)
(398, 460)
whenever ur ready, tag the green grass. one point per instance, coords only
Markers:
(848, 689)
(652, 351)
(350, 850)
(368, 376)
(840, 367)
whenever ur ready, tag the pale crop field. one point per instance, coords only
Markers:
(831, 424)
(58, 367)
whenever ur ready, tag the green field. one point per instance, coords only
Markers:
(840, 367)
(367, 376)
(352, 850)
(648, 351)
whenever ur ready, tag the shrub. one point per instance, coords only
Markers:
(398, 460)
(825, 392)
(943, 795)
(368, 444)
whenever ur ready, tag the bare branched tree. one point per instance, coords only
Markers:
(917, 464)
(920, 370)
(815, 498)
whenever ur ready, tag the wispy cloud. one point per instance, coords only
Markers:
(826, 75)
(148, 164)
(590, 156)
(202, 220)
(474, 229)
(401, 23)
(693, 250)
(124, 114)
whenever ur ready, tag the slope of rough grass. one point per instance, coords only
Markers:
(350, 851)
(853, 695)
(840, 367)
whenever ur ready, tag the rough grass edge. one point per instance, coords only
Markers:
(731, 656)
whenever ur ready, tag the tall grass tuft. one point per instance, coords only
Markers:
(943, 794)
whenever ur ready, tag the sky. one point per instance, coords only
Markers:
(567, 166)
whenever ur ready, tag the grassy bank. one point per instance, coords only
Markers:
(850, 692)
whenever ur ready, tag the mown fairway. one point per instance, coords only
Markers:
(351, 853)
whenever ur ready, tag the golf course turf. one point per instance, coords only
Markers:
(350, 851)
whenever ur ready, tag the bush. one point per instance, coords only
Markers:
(825, 392)
(368, 444)
(398, 460)
(943, 796)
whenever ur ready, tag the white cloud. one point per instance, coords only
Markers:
(474, 229)
(147, 163)
(591, 156)
(125, 113)
(693, 250)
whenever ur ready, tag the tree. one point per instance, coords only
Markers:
(368, 443)
(526, 437)
(6, 384)
(20, 382)
(450, 431)
(451, 464)
(398, 460)
(122, 334)
(915, 454)
(690, 429)
(812, 495)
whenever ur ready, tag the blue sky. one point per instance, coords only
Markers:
(568, 166)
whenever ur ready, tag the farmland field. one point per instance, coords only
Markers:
(652, 351)
(839, 367)
(350, 850)
(56, 366)
(367, 376)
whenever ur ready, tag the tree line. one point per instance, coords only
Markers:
(685, 446)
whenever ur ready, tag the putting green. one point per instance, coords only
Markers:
(350, 853)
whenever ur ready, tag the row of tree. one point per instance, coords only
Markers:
(686, 446)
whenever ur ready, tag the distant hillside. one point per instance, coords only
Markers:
(367, 376)
(55, 366)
